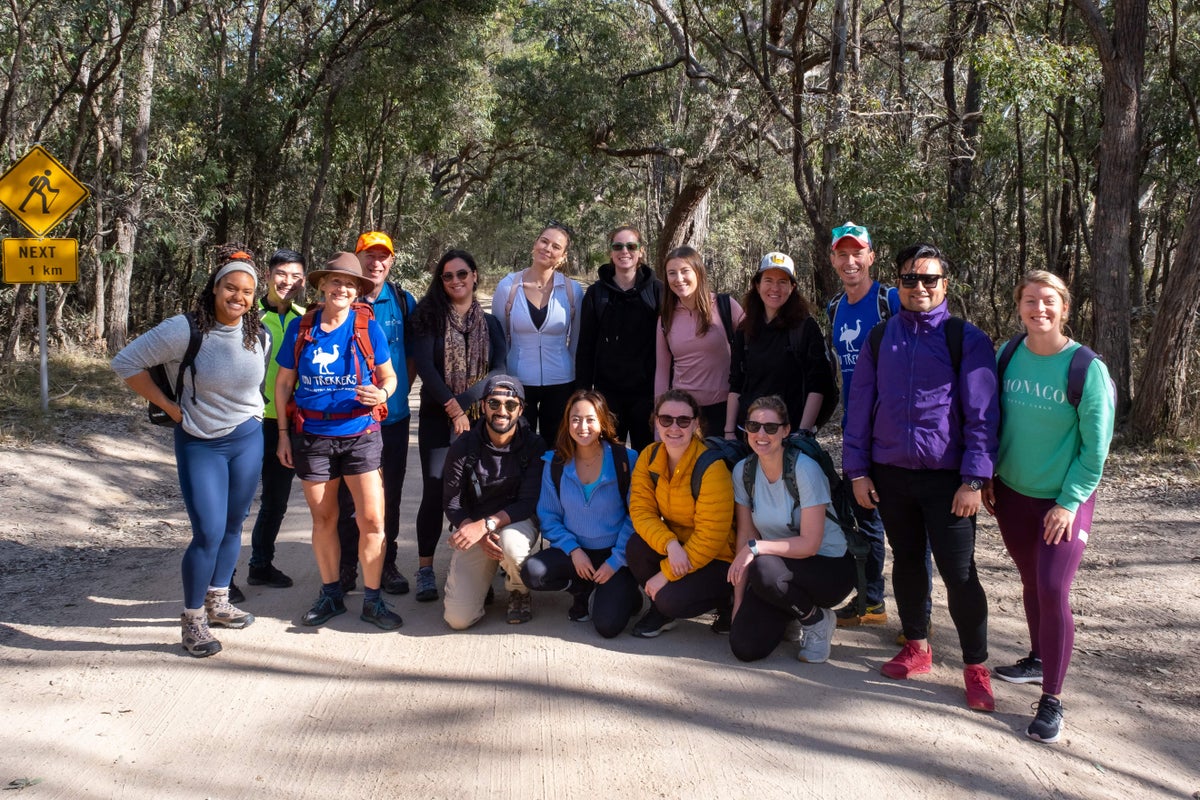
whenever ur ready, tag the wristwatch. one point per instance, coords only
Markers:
(973, 485)
(753, 545)
(490, 524)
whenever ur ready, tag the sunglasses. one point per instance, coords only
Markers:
(461, 275)
(909, 280)
(562, 226)
(630, 246)
(509, 405)
(771, 428)
(851, 230)
(667, 421)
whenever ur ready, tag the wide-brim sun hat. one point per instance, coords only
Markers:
(342, 263)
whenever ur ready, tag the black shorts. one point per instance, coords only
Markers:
(324, 458)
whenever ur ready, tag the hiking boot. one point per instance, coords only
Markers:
(427, 590)
(902, 640)
(393, 581)
(265, 576)
(978, 683)
(848, 617)
(377, 613)
(724, 621)
(324, 609)
(908, 662)
(348, 577)
(817, 641)
(1027, 670)
(520, 607)
(652, 623)
(197, 638)
(579, 608)
(1047, 723)
(236, 595)
(224, 613)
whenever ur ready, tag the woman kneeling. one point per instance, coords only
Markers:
(791, 562)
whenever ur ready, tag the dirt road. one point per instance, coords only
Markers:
(100, 701)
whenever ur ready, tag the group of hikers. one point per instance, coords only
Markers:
(526, 412)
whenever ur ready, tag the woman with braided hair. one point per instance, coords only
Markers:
(218, 432)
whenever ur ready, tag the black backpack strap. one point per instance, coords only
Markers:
(725, 311)
(195, 339)
(470, 475)
(831, 308)
(703, 462)
(556, 472)
(652, 456)
(955, 326)
(621, 463)
(881, 297)
(749, 472)
(875, 339)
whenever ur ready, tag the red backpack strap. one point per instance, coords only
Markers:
(363, 314)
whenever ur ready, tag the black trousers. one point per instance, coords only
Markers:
(613, 602)
(393, 465)
(545, 406)
(779, 590)
(633, 416)
(915, 507)
(276, 489)
(698, 592)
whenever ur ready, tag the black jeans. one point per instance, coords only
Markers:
(613, 602)
(544, 407)
(393, 465)
(915, 507)
(700, 591)
(633, 417)
(276, 489)
(779, 590)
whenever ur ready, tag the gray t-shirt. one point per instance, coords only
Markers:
(773, 507)
(228, 381)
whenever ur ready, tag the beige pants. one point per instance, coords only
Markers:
(472, 570)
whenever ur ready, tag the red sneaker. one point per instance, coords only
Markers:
(979, 688)
(908, 662)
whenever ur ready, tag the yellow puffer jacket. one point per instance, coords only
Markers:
(667, 511)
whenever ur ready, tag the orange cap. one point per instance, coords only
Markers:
(372, 238)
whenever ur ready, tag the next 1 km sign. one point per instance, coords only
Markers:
(41, 261)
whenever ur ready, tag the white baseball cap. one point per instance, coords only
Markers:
(778, 261)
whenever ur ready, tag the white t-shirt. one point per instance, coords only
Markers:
(773, 507)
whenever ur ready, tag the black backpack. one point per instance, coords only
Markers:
(158, 374)
(620, 461)
(716, 449)
(841, 504)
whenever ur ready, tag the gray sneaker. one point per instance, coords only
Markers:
(427, 590)
(224, 613)
(197, 638)
(818, 639)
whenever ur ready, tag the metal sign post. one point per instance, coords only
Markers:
(40, 192)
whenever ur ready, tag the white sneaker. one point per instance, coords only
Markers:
(818, 639)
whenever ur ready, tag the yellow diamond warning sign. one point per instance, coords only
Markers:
(40, 192)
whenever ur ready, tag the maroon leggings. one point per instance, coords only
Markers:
(1047, 572)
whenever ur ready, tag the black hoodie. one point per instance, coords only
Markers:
(616, 333)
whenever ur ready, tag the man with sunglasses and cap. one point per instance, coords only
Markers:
(493, 476)
(392, 307)
(920, 441)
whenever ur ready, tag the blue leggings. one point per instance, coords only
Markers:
(218, 478)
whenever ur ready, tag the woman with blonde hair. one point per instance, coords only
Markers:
(1057, 405)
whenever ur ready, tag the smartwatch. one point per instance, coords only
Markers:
(973, 484)
(753, 545)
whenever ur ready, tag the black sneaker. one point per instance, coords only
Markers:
(393, 581)
(652, 623)
(723, 622)
(579, 608)
(378, 613)
(267, 576)
(235, 594)
(324, 609)
(348, 577)
(1027, 670)
(1047, 723)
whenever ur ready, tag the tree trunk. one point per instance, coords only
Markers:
(676, 229)
(1158, 407)
(1122, 57)
(128, 216)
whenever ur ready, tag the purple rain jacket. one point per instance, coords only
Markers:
(908, 409)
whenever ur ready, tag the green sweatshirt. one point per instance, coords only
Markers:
(1048, 449)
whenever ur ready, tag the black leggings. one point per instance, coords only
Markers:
(613, 602)
(915, 507)
(545, 406)
(702, 590)
(779, 590)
